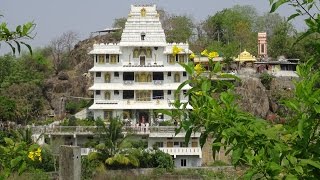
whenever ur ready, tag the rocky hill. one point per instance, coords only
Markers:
(64, 87)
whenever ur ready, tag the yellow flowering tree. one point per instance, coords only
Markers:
(210, 55)
(35, 155)
(192, 56)
(176, 50)
(198, 69)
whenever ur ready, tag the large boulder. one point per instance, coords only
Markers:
(63, 76)
(253, 97)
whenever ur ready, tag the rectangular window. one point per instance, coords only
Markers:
(176, 144)
(169, 73)
(262, 48)
(128, 76)
(98, 74)
(169, 144)
(113, 59)
(116, 74)
(116, 92)
(169, 92)
(157, 75)
(194, 144)
(128, 94)
(183, 162)
(184, 73)
(107, 115)
(157, 94)
(171, 59)
(159, 144)
(183, 144)
(98, 92)
(181, 58)
(144, 95)
(96, 58)
(184, 92)
(107, 58)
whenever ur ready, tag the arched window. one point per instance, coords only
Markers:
(101, 58)
(181, 58)
(176, 77)
(107, 78)
(171, 59)
(113, 59)
(143, 36)
(107, 95)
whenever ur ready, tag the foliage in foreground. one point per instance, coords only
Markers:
(18, 155)
(114, 151)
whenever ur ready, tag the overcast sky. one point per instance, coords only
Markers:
(55, 17)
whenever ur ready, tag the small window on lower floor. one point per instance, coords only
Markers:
(98, 92)
(116, 74)
(98, 74)
(159, 144)
(169, 92)
(183, 162)
(184, 73)
(184, 92)
(116, 92)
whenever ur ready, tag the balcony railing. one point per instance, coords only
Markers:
(176, 151)
(143, 129)
(106, 101)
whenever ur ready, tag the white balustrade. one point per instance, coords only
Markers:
(176, 151)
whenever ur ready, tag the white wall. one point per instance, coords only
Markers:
(98, 113)
(191, 161)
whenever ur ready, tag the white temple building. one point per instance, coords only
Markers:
(137, 77)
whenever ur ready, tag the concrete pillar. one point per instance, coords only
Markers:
(75, 140)
(70, 163)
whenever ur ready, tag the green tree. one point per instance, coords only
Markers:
(7, 109)
(14, 38)
(119, 23)
(282, 40)
(178, 29)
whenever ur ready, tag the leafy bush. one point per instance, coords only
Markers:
(266, 80)
(166, 123)
(88, 167)
(163, 160)
(218, 163)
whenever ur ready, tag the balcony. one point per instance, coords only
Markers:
(183, 151)
(89, 130)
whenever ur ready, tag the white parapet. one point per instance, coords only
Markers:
(183, 151)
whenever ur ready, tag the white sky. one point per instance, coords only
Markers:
(55, 17)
